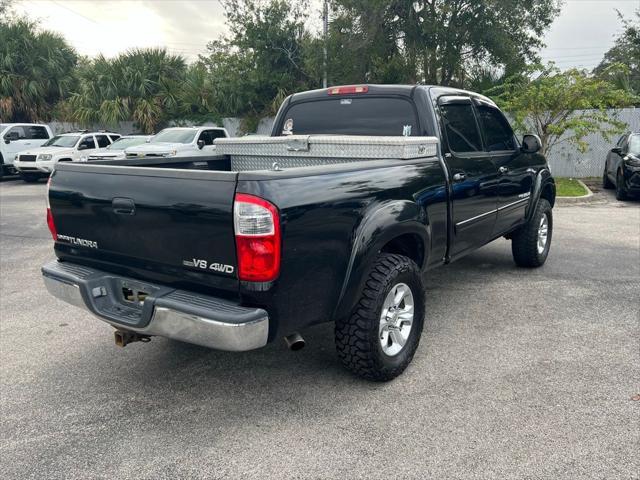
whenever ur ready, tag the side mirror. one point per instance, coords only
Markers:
(531, 144)
(83, 146)
(616, 150)
(200, 144)
(7, 140)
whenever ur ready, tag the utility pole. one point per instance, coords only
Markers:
(325, 32)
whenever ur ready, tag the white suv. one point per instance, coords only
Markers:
(16, 137)
(39, 162)
(179, 142)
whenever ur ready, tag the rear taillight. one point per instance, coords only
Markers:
(257, 228)
(50, 224)
(348, 89)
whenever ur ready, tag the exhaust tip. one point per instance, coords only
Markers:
(295, 342)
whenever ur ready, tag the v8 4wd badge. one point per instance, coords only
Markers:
(205, 265)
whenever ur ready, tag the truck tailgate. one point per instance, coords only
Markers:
(160, 223)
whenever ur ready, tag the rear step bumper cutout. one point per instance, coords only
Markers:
(166, 312)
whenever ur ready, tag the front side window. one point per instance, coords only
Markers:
(16, 133)
(207, 137)
(460, 127)
(65, 141)
(87, 143)
(497, 132)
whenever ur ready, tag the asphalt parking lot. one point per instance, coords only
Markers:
(520, 374)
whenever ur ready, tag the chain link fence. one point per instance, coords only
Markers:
(566, 161)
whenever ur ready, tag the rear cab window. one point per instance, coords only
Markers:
(371, 115)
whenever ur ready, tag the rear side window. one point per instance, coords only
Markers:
(497, 131)
(460, 127)
(37, 133)
(103, 141)
(351, 116)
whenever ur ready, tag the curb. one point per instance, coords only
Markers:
(589, 197)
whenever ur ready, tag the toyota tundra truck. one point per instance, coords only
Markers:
(338, 216)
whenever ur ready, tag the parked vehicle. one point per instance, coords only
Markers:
(337, 217)
(622, 166)
(16, 137)
(179, 142)
(36, 163)
(115, 151)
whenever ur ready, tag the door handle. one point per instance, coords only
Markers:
(503, 170)
(459, 177)
(123, 206)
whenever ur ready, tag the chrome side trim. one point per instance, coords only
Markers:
(463, 222)
(523, 200)
(477, 217)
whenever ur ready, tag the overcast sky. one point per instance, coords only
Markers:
(578, 38)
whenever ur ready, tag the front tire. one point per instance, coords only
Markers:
(530, 244)
(378, 340)
(606, 183)
(30, 177)
(621, 191)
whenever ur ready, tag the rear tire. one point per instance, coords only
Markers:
(621, 192)
(606, 183)
(530, 244)
(30, 177)
(380, 337)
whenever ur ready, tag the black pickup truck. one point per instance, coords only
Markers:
(336, 217)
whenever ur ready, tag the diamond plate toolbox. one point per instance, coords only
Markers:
(324, 148)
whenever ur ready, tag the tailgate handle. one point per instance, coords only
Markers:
(123, 206)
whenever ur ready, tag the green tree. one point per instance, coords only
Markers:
(621, 64)
(262, 60)
(141, 85)
(562, 106)
(36, 69)
(434, 41)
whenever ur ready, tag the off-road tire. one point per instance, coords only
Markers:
(621, 192)
(357, 337)
(606, 183)
(524, 241)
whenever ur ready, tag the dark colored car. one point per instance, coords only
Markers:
(336, 217)
(622, 167)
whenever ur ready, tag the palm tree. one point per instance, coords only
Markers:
(138, 85)
(36, 70)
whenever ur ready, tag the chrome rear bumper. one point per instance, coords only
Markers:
(166, 312)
